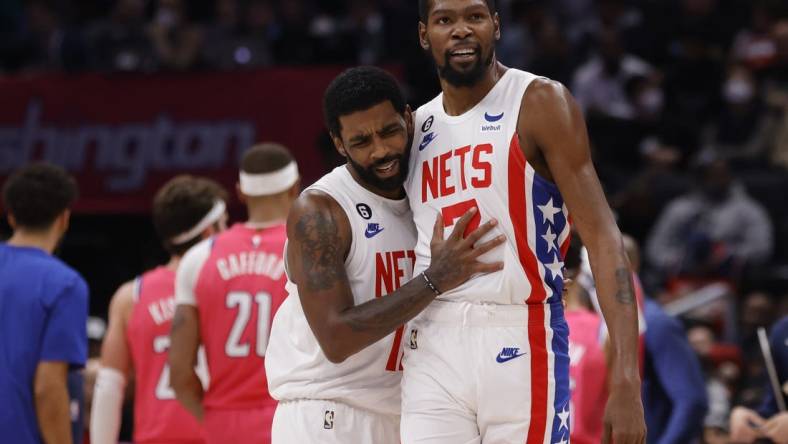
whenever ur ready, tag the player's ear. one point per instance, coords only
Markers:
(63, 220)
(11, 221)
(239, 193)
(423, 41)
(295, 190)
(497, 26)
(409, 120)
(338, 144)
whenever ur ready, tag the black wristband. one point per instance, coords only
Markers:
(430, 285)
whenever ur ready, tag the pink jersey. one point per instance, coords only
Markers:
(158, 417)
(239, 287)
(587, 376)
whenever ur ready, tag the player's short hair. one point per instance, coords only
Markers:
(37, 194)
(424, 8)
(265, 158)
(359, 89)
(180, 205)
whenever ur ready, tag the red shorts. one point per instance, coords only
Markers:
(246, 426)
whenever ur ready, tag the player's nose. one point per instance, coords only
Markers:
(379, 149)
(461, 30)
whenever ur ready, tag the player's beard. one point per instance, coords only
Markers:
(467, 78)
(369, 176)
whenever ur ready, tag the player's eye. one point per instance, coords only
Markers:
(477, 17)
(359, 143)
(442, 20)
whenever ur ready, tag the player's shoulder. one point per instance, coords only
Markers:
(542, 91)
(125, 296)
(427, 110)
(35, 265)
(314, 204)
(199, 253)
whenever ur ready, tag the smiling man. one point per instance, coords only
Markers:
(492, 361)
(334, 357)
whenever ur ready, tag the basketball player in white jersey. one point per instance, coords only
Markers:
(333, 360)
(491, 364)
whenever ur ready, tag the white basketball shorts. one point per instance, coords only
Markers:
(329, 422)
(479, 373)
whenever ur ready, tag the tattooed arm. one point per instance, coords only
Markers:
(553, 135)
(319, 239)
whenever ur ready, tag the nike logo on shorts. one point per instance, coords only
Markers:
(507, 354)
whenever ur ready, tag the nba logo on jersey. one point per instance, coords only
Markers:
(413, 344)
(328, 420)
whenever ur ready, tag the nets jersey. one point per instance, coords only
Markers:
(237, 282)
(474, 159)
(379, 261)
(158, 416)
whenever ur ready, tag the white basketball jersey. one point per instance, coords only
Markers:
(474, 159)
(380, 260)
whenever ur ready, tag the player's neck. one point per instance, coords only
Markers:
(46, 241)
(173, 263)
(459, 100)
(266, 215)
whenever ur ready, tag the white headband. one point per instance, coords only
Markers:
(219, 207)
(266, 184)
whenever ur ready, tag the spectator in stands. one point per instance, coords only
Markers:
(756, 310)
(741, 128)
(518, 44)
(693, 81)
(702, 339)
(48, 44)
(754, 46)
(767, 421)
(600, 84)
(176, 40)
(295, 44)
(712, 231)
(241, 38)
(119, 43)
(776, 91)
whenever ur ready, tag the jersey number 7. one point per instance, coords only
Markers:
(453, 212)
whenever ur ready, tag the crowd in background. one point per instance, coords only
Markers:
(686, 103)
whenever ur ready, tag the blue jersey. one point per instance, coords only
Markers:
(43, 314)
(778, 342)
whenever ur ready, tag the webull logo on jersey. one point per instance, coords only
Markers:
(492, 119)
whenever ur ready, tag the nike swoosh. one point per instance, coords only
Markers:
(371, 234)
(490, 118)
(501, 359)
(427, 140)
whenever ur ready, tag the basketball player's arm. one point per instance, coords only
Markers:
(319, 240)
(551, 120)
(52, 402)
(105, 418)
(184, 343)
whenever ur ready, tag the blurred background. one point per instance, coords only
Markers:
(686, 104)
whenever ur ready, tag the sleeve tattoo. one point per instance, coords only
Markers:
(320, 253)
(624, 293)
